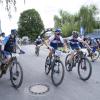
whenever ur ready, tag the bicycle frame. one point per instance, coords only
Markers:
(78, 56)
(5, 66)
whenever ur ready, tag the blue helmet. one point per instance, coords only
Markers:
(58, 30)
(13, 32)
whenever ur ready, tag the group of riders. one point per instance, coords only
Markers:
(77, 50)
(74, 42)
(8, 45)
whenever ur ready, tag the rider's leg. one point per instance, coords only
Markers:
(71, 56)
(7, 57)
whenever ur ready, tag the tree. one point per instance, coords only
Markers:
(87, 17)
(66, 22)
(30, 24)
(9, 4)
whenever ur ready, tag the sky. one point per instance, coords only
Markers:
(46, 8)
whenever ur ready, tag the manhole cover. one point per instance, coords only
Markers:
(38, 89)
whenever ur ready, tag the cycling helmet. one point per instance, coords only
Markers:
(3, 34)
(58, 31)
(75, 34)
(13, 32)
(39, 37)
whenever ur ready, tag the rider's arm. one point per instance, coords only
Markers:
(64, 44)
(18, 46)
(47, 42)
(84, 42)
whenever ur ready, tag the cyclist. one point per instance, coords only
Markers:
(10, 45)
(55, 41)
(38, 41)
(74, 43)
(93, 44)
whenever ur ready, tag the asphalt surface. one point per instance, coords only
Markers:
(72, 87)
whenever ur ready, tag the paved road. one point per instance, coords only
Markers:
(72, 87)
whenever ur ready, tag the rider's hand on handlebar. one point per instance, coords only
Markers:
(65, 51)
(50, 48)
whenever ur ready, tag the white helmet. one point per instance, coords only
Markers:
(38, 37)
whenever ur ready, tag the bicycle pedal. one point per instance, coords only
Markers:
(14, 78)
(70, 68)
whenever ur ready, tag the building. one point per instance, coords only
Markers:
(95, 34)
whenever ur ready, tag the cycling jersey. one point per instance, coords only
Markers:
(10, 44)
(75, 43)
(93, 43)
(38, 41)
(56, 42)
(2, 43)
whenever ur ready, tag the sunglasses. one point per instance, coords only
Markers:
(57, 33)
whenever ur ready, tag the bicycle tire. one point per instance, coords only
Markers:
(47, 66)
(67, 64)
(90, 69)
(12, 77)
(92, 57)
(37, 51)
(53, 71)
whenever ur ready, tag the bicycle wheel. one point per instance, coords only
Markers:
(95, 55)
(57, 73)
(84, 69)
(37, 51)
(68, 65)
(47, 65)
(16, 74)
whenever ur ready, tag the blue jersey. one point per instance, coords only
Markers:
(38, 41)
(74, 44)
(5, 40)
(10, 43)
(56, 42)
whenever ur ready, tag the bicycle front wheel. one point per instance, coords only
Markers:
(68, 65)
(95, 55)
(47, 65)
(37, 51)
(84, 69)
(57, 73)
(16, 74)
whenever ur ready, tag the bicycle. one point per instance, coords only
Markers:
(15, 70)
(53, 64)
(37, 49)
(83, 62)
